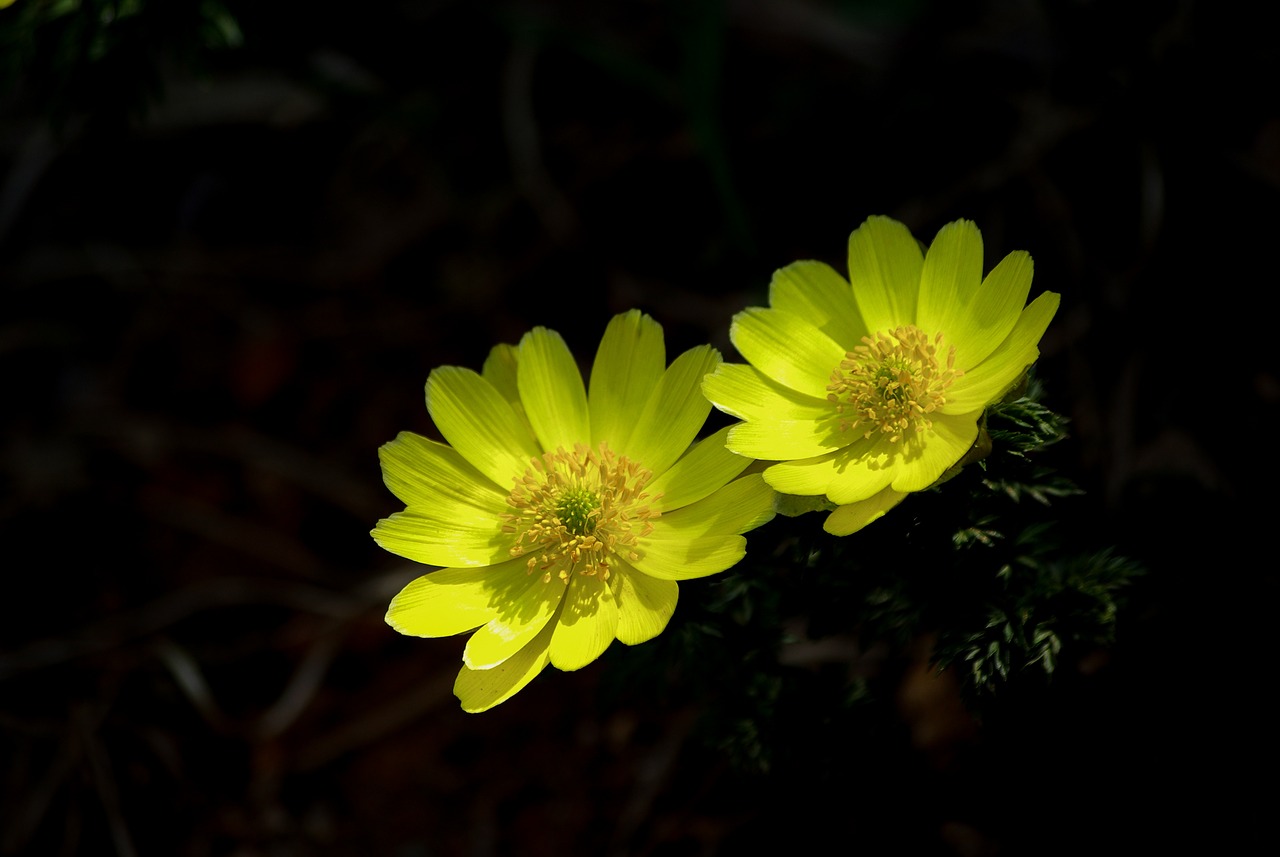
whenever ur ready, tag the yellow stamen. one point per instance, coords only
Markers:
(892, 382)
(574, 511)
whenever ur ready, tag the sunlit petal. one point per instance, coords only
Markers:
(814, 291)
(742, 505)
(683, 559)
(551, 390)
(675, 413)
(453, 600)
(587, 623)
(479, 423)
(480, 690)
(988, 382)
(645, 605)
(787, 349)
(628, 365)
(884, 269)
(701, 471)
(850, 518)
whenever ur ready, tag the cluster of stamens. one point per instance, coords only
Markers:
(572, 511)
(892, 382)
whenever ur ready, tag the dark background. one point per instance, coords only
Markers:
(226, 271)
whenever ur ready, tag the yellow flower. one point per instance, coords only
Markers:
(563, 518)
(869, 389)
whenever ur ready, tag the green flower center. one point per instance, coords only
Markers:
(579, 512)
(577, 509)
(890, 383)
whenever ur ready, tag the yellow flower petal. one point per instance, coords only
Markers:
(500, 369)
(551, 390)
(884, 269)
(983, 318)
(681, 559)
(787, 348)
(628, 366)
(645, 605)
(516, 624)
(779, 423)
(705, 468)
(850, 518)
(448, 534)
(479, 423)
(742, 505)
(480, 690)
(745, 392)
(815, 475)
(806, 476)
(987, 382)
(944, 445)
(675, 413)
(587, 622)
(454, 600)
(786, 439)
(950, 279)
(420, 471)
(864, 469)
(815, 292)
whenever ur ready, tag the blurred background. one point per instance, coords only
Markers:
(236, 237)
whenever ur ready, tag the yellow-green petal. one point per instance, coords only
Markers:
(950, 279)
(628, 365)
(779, 423)
(787, 439)
(815, 475)
(815, 292)
(675, 413)
(500, 368)
(479, 423)
(746, 393)
(444, 534)
(453, 600)
(424, 472)
(586, 624)
(806, 476)
(522, 619)
(480, 690)
(551, 389)
(742, 505)
(884, 270)
(852, 517)
(991, 379)
(863, 469)
(944, 444)
(706, 467)
(787, 348)
(645, 605)
(684, 559)
(983, 317)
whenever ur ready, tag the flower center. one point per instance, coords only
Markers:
(576, 511)
(892, 382)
